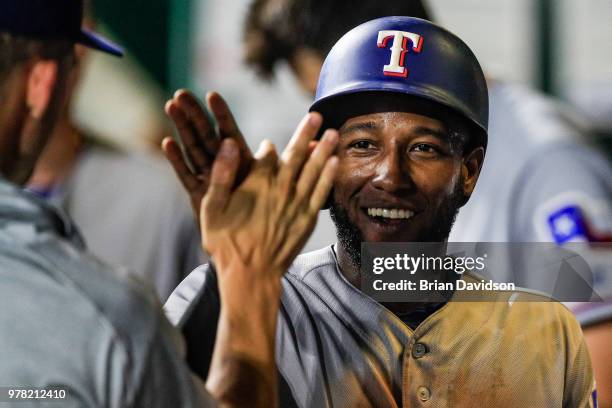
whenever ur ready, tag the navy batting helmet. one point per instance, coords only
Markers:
(411, 58)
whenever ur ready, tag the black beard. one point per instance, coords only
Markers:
(350, 238)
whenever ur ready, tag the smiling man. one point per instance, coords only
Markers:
(405, 169)
(410, 102)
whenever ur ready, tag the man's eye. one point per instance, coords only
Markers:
(423, 148)
(362, 145)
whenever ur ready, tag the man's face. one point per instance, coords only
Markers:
(399, 179)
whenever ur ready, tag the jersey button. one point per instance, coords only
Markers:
(419, 350)
(424, 394)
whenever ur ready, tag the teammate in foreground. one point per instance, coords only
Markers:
(162, 243)
(410, 101)
(68, 322)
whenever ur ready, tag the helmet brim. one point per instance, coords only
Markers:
(359, 99)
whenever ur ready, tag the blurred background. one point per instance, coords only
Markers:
(562, 47)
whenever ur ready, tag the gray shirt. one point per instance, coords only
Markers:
(337, 347)
(67, 320)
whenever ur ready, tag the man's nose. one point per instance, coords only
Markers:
(392, 173)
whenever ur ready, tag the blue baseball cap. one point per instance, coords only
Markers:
(51, 19)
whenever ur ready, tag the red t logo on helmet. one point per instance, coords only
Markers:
(398, 50)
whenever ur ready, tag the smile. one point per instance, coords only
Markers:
(390, 213)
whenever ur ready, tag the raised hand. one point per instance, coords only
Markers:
(264, 222)
(201, 141)
(253, 232)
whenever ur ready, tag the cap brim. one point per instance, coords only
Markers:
(97, 42)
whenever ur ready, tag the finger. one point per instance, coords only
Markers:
(311, 146)
(196, 155)
(172, 151)
(297, 150)
(315, 165)
(222, 178)
(324, 185)
(199, 121)
(226, 123)
(266, 155)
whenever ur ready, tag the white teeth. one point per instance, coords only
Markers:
(392, 213)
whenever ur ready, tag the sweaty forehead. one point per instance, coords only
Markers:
(404, 122)
(351, 106)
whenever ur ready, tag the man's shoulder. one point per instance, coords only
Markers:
(64, 313)
(90, 288)
(527, 309)
(73, 317)
(304, 264)
(199, 290)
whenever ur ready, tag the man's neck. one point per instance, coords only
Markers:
(59, 156)
(348, 268)
(352, 274)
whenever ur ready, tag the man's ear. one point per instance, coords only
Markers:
(472, 164)
(41, 84)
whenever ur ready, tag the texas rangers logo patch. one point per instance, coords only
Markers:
(567, 224)
(399, 48)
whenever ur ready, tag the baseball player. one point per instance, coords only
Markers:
(410, 101)
(541, 180)
(162, 243)
(74, 333)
